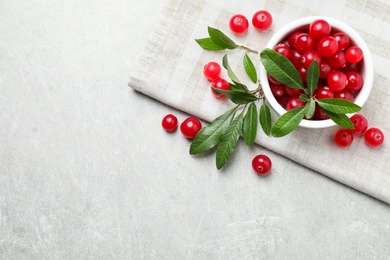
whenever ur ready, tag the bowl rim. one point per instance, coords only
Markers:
(367, 69)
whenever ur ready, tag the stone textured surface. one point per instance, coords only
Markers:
(87, 172)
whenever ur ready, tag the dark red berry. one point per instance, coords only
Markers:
(238, 24)
(327, 46)
(283, 49)
(310, 56)
(360, 123)
(212, 70)
(324, 92)
(342, 40)
(190, 127)
(354, 80)
(278, 90)
(345, 94)
(293, 92)
(343, 138)
(262, 20)
(294, 102)
(222, 84)
(169, 123)
(374, 137)
(337, 60)
(292, 39)
(353, 54)
(325, 69)
(304, 43)
(319, 29)
(337, 80)
(261, 164)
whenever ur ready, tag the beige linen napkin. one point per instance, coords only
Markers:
(170, 70)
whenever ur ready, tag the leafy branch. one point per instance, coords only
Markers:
(224, 132)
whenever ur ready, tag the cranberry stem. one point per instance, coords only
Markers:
(247, 49)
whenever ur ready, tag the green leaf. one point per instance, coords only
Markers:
(288, 122)
(209, 44)
(338, 105)
(310, 107)
(265, 119)
(225, 64)
(249, 130)
(250, 68)
(238, 97)
(303, 98)
(238, 86)
(281, 69)
(229, 141)
(312, 76)
(221, 39)
(210, 135)
(340, 119)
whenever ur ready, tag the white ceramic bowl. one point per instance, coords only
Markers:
(367, 68)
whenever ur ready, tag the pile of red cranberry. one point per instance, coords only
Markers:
(339, 60)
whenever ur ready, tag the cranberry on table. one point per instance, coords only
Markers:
(261, 164)
(212, 70)
(190, 127)
(262, 20)
(343, 138)
(360, 123)
(222, 84)
(169, 123)
(374, 137)
(238, 24)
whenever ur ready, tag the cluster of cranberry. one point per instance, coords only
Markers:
(373, 136)
(189, 127)
(339, 61)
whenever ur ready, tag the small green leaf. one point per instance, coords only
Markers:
(229, 141)
(340, 119)
(225, 64)
(338, 105)
(265, 119)
(221, 39)
(210, 135)
(281, 69)
(288, 122)
(303, 98)
(208, 44)
(250, 68)
(249, 130)
(238, 97)
(312, 76)
(310, 107)
(238, 86)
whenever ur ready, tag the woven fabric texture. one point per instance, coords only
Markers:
(170, 70)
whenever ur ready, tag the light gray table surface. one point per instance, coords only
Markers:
(88, 173)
